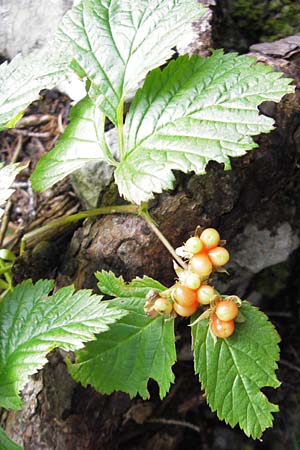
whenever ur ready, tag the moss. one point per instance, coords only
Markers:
(246, 22)
(272, 281)
(272, 19)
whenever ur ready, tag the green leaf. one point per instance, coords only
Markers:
(135, 349)
(32, 324)
(83, 141)
(116, 42)
(6, 443)
(114, 286)
(24, 77)
(7, 176)
(234, 370)
(6, 254)
(195, 110)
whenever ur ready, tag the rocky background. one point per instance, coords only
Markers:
(256, 207)
(28, 24)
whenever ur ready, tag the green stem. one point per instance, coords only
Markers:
(119, 209)
(143, 212)
(8, 279)
(6, 268)
(120, 119)
(106, 150)
(5, 271)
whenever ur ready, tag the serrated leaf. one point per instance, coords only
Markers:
(135, 349)
(7, 176)
(195, 110)
(234, 370)
(24, 77)
(114, 286)
(6, 443)
(116, 42)
(83, 141)
(32, 324)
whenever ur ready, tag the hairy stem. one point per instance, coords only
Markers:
(143, 212)
(120, 119)
(119, 209)
(107, 151)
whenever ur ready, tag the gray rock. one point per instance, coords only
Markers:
(253, 251)
(42, 18)
(29, 24)
(93, 178)
(285, 47)
(257, 249)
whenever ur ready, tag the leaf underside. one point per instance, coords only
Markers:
(135, 349)
(82, 142)
(234, 370)
(32, 324)
(116, 43)
(195, 110)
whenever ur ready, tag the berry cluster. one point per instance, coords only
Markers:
(205, 253)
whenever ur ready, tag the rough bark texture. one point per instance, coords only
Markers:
(257, 202)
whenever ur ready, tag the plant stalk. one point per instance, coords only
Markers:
(105, 147)
(120, 119)
(143, 212)
(118, 209)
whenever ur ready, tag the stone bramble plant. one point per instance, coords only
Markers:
(190, 112)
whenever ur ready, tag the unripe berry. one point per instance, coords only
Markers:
(193, 245)
(162, 306)
(210, 238)
(219, 256)
(190, 279)
(205, 294)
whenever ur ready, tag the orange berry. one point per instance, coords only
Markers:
(201, 265)
(220, 328)
(185, 311)
(226, 310)
(184, 296)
